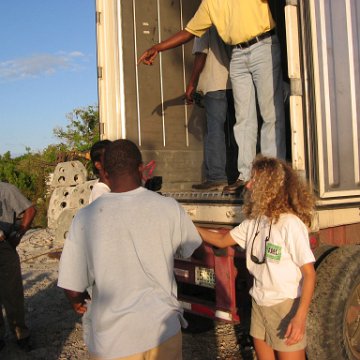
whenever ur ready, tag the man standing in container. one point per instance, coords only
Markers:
(123, 246)
(210, 76)
(255, 72)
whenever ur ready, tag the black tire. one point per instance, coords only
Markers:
(322, 252)
(334, 316)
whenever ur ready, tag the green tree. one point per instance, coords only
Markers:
(27, 174)
(12, 173)
(30, 171)
(82, 131)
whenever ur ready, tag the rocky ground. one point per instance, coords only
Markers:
(57, 330)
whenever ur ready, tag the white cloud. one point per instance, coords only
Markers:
(40, 64)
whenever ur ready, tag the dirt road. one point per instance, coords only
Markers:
(57, 330)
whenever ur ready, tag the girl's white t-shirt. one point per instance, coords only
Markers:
(288, 248)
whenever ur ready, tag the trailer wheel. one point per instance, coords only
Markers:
(334, 316)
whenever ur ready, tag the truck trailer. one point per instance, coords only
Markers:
(320, 42)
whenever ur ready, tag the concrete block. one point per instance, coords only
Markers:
(70, 173)
(80, 195)
(70, 197)
(63, 225)
(59, 201)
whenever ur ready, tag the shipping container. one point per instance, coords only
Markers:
(320, 42)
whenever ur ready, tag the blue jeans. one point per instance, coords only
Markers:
(214, 140)
(256, 73)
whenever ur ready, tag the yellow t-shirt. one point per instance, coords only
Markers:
(235, 20)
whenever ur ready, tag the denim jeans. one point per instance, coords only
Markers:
(214, 140)
(256, 73)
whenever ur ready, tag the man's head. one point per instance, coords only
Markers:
(123, 163)
(97, 155)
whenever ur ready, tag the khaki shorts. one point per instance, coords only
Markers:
(269, 323)
(170, 349)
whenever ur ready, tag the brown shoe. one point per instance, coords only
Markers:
(234, 188)
(210, 186)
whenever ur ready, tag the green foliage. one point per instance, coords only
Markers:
(29, 172)
(10, 172)
(82, 131)
(50, 153)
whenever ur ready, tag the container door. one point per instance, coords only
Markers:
(330, 31)
(146, 103)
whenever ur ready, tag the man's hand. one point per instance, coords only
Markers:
(148, 56)
(190, 89)
(27, 217)
(78, 300)
(198, 66)
(80, 308)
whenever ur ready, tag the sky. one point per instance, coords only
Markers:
(47, 69)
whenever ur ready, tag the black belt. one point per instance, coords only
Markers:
(256, 39)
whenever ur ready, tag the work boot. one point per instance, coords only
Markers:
(235, 188)
(210, 186)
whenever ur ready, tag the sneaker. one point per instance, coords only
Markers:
(210, 186)
(234, 188)
(25, 344)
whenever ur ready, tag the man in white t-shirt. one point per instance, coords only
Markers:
(97, 158)
(123, 245)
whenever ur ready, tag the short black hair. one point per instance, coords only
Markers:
(122, 156)
(97, 151)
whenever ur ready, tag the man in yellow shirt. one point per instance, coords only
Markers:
(255, 72)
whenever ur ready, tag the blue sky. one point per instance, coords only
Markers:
(47, 68)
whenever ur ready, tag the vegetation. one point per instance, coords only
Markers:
(30, 172)
(82, 130)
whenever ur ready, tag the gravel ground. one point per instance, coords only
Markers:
(57, 330)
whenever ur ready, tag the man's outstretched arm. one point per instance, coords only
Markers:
(174, 41)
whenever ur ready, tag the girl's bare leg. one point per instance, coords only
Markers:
(263, 350)
(293, 355)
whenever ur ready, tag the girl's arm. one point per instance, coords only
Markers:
(296, 329)
(215, 238)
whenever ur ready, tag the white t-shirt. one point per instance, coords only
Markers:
(98, 189)
(123, 245)
(288, 249)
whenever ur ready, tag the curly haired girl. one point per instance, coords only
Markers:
(277, 206)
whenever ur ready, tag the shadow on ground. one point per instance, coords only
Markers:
(50, 318)
(205, 339)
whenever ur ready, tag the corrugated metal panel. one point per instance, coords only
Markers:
(333, 94)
